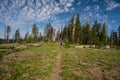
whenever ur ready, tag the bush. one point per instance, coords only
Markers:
(66, 45)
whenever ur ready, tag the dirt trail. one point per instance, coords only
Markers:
(57, 69)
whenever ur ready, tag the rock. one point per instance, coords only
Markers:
(92, 46)
(36, 44)
(107, 47)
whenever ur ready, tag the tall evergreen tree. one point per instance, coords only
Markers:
(104, 34)
(96, 32)
(26, 38)
(77, 30)
(35, 33)
(83, 34)
(40, 36)
(93, 33)
(17, 35)
(48, 32)
(119, 35)
(87, 33)
(71, 30)
(64, 33)
(8, 33)
(113, 38)
(58, 35)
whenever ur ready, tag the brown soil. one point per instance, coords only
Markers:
(57, 69)
(96, 73)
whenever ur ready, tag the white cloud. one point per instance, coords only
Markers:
(111, 5)
(66, 3)
(69, 4)
(113, 21)
(87, 8)
(27, 10)
(97, 7)
(72, 9)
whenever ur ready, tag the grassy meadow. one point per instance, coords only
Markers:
(37, 63)
(90, 64)
(32, 63)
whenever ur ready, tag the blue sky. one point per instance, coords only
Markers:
(23, 13)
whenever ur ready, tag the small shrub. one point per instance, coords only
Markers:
(66, 45)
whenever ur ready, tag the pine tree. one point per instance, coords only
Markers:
(87, 33)
(103, 34)
(8, 33)
(48, 32)
(71, 30)
(35, 33)
(96, 38)
(83, 34)
(17, 35)
(26, 38)
(58, 35)
(77, 30)
(113, 38)
(119, 35)
(93, 34)
(40, 36)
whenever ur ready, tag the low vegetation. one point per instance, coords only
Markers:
(90, 64)
(33, 63)
(37, 62)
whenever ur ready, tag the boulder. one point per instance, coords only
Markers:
(107, 47)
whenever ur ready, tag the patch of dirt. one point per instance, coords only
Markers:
(79, 73)
(113, 74)
(20, 57)
(96, 73)
(57, 69)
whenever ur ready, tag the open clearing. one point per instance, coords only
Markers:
(90, 64)
(49, 62)
(33, 63)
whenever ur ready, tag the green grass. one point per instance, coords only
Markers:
(37, 63)
(86, 64)
(30, 64)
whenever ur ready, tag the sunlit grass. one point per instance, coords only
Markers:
(37, 63)
(80, 64)
(29, 64)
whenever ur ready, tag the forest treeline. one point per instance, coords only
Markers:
(73, 33)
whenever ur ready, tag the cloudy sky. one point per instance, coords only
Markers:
(23, 13)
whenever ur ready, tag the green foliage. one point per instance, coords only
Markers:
(66, 44)
(70, 30)
(78, 30)
(7, 35)
(87, 33)
(75, 33)
(48, 32)
(115, 37)
(17, 35)
(35, 33)
(103, 34)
